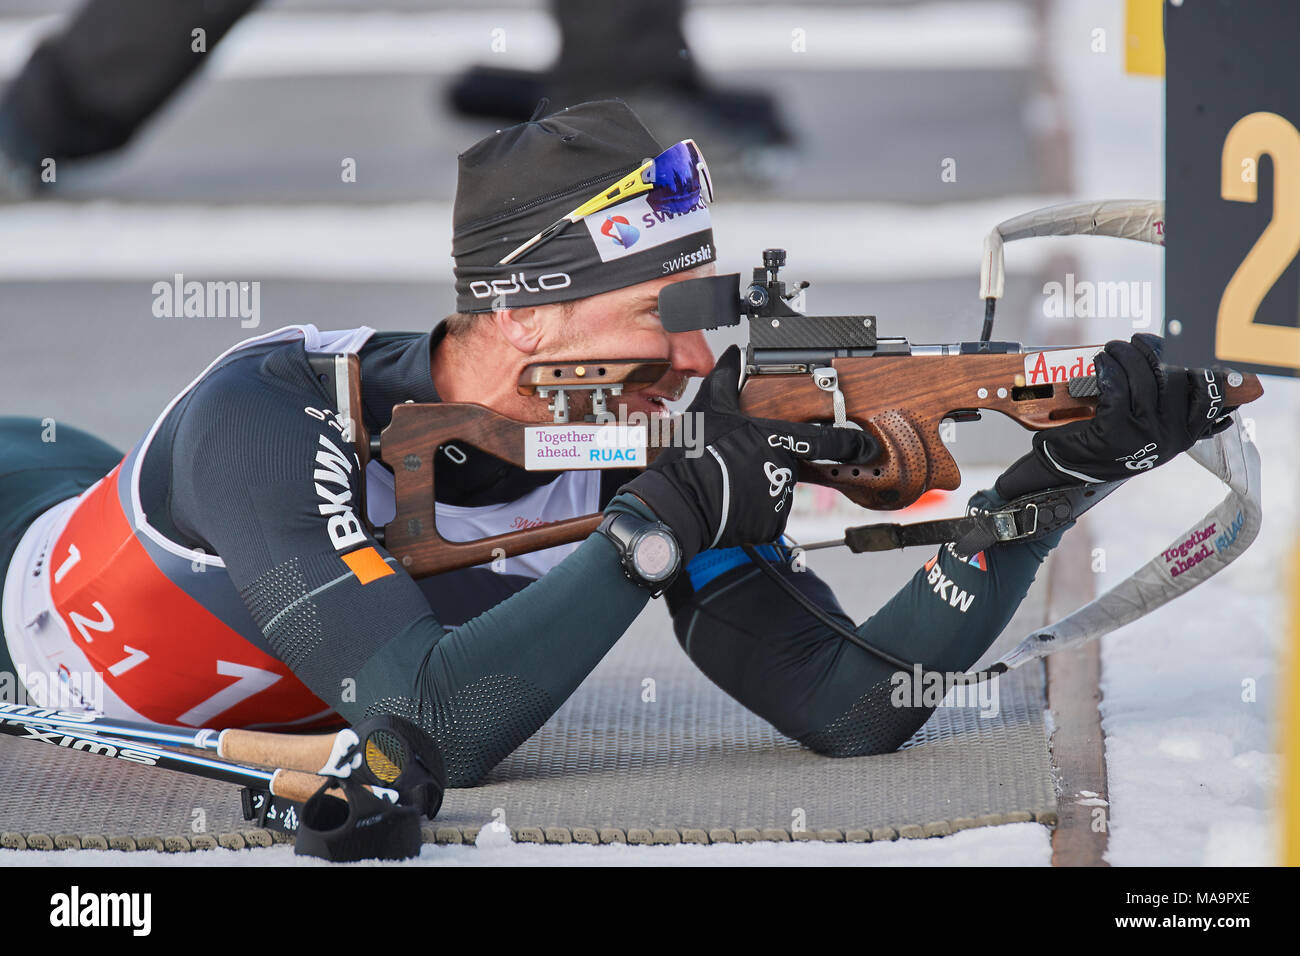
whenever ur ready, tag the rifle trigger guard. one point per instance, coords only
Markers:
(828, 380)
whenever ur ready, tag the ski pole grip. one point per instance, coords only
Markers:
(295, 785)
(298, 786)
(306, 752)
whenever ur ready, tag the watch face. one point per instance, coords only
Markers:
(655, 556)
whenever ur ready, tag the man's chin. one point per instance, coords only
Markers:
(650, 408)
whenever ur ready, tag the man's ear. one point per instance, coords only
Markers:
(522, 328)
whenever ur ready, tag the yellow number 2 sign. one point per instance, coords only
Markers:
(1239, 337)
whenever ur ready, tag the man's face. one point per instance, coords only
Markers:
(624, 324)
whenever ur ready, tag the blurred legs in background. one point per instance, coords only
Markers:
(636, 50)
(89, 88)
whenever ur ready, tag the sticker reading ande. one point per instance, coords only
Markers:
(1059, 365)
(557, 447)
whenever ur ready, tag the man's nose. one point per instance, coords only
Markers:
(689, 353)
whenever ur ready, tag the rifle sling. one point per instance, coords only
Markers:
(1021, 519)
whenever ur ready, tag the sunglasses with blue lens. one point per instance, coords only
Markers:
(673, 182)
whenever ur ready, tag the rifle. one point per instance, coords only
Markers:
(800, 368)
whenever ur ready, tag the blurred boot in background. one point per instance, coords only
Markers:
(636, 50)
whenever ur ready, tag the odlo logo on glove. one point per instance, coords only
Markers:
(780, 479)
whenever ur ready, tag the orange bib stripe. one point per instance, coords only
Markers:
(368, 565)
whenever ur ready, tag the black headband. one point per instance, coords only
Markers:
(515, 183)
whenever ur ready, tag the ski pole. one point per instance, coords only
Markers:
(290, 784)
(306, 752)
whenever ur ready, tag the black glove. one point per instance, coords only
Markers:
(1146, 414)
(738, 490)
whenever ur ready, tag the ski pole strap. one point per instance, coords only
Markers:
(270, 812)
(1021, 519)
(1196, 555)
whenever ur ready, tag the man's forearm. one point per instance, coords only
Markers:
(782, 663)
(954, 608)
(485, 687)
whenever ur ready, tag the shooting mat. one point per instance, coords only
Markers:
(690, 765)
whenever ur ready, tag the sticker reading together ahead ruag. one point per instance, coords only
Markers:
(556, 447)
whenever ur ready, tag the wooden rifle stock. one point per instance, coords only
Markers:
(409, 445)
(901, 399)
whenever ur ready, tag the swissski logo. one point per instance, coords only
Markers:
(616, 236)
(620, 231)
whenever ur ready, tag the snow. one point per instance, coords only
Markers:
(1192, 765)
(1016, 844)
(1190, 694)
(492, 836)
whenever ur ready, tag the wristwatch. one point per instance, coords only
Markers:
(648, 549)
